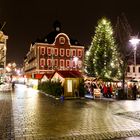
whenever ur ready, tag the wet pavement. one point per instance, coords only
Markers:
(26, 114)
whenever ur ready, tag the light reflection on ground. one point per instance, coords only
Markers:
(36, 114)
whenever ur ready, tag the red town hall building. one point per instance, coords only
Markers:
(54, 52)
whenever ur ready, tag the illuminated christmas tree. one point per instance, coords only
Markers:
(102, 59)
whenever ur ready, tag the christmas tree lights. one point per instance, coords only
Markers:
(103, 56)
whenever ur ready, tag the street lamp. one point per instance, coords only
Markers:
(75, 59)
(134, 41)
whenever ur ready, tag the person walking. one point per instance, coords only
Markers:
(104, 91)
(134, 91)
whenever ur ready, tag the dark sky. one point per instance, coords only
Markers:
(27, 20)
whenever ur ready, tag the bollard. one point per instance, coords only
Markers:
(62, 98)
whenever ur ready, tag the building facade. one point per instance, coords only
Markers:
(133, 72)
(3, 49)
(47, 58)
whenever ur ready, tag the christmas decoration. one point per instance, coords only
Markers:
(102, 59)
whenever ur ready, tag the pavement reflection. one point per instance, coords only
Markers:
(36, 116)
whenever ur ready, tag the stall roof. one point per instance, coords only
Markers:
(69, 74)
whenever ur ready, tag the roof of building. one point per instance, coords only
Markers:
(48, 75)
(38, 76)
(69, 74)
(50, 38)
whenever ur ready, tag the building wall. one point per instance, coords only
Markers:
(133, 72)
(3, 49)
(60, 55)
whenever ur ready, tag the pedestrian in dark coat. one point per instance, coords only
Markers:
(134, 91)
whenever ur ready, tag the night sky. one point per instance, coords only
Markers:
(27, 20)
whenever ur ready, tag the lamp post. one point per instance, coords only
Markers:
(134, 41)
(75, 59)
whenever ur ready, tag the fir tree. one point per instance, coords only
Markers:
(102, 59)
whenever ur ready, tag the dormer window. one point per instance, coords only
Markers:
(62, 40)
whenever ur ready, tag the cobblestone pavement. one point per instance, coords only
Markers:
(6, 117)
(28, 115)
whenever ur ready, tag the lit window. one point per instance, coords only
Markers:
(80, 64)
(56, 62)
(61, 63)
(55, 51)
(80, 53)
(62, 52)
(73, 52)
(67, 52)
(49, 62)
(67, 63)
(42, 62)
(74, 65)
(42, 50)
(49, 51)
(62, 40)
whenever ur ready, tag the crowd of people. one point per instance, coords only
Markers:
(109, 90)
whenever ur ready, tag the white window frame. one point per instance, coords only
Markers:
(55, 60)
(42, 48)
(67, 52)
(48, 62)
(73, 51)
(79, 53)
(48, 51)
(62, 40)
(63, 51)
(55, 50)
(42, 60)
(62, 60)
(67, 63)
